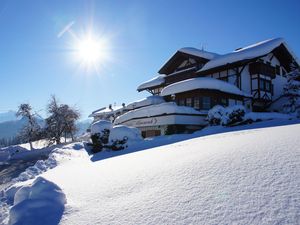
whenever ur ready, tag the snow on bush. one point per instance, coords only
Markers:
(42, 202)
(233, 114)
(104, 135)
(219, 115)
(100, 133)
(215, 115)
(122, 136)
(100, 126)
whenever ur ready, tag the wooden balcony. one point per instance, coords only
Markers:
(262, 68)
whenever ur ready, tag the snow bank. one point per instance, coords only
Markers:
(100, 126)
(156, 81)
(198, 53)
(150, 100)
(249, 52)
(42, 202)
(155, 110)
(202, 83)
(244, 177)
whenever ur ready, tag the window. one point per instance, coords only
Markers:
(181, 102)
(196, 103)
(206, 102)
(188, 102)
(223, 102)
(262, 84)
(265, 85)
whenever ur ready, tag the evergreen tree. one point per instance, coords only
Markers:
(292, 92)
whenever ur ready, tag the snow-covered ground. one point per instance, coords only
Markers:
(250, 176)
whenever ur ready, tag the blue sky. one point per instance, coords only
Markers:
(142, 35)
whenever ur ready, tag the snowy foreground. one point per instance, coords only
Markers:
(241, 177)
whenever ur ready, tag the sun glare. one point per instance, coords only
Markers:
(92, 52)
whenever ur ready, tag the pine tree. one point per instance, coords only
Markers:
(292, 92)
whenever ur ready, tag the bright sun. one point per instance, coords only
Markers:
(92, 51)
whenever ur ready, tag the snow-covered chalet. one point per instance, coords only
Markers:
(192, 81)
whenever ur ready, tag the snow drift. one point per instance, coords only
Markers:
(42, 202)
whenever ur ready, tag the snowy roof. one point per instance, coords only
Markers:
(150, 100)
(155, 110)
(106, 111)
(198, 52)
(184, 70)
(158, 80)
(202, 83)
(249, 52)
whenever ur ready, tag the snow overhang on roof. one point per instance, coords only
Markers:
(246, 53)
(203, 83)
(150, 100)
(106, 111)
(156, 110)
(156, 81)
(198, 53)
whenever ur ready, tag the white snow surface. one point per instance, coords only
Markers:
(42, 202)
(155, 110)
(150, 100)
(249, 52)
(202, 83)
(243, 177)
(198, 52)
(156, 81)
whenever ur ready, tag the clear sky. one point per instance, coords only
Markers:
(37, 58)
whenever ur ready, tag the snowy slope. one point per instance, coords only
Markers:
(244, 177)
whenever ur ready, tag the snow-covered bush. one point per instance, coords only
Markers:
(233, 114)
(100, 134)
(215, 115)
(104, 135)
(219, 115)
(122, 136)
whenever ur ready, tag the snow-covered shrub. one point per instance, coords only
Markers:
(100, 131)
(233, 114)
(215, 115)
(104, 135)
(122, 136)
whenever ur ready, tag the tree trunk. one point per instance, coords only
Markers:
(30, 143)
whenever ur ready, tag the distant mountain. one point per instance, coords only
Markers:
(7, 116)
(9, 129)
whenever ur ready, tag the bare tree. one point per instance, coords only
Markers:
(61, 121)
(31, 131)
